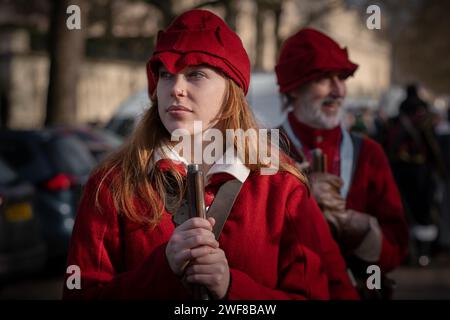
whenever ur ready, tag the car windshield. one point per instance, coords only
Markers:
(122, 126)
(69, 155)
(110, 138)
(102, 136)
(7, 175)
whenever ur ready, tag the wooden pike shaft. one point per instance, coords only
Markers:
(196, 200)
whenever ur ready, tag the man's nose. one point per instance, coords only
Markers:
(338, 88)
(178, 86)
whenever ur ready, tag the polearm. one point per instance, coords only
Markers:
(319, 161)
(196, 203)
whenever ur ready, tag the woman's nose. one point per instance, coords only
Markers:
(179, 86)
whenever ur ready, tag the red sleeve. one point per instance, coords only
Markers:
(386, 205)
(306, 250)
(339, 282)
(96, 247)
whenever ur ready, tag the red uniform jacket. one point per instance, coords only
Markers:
(276, 241)
(373, 189)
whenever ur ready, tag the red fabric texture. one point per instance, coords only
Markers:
(309, 55)
(276, 241)
(199, 37)
(373, 189)
(324, 139)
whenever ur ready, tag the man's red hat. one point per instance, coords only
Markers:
(309, 55)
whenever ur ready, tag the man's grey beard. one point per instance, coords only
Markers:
(312, 114)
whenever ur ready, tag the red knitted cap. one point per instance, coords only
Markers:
(308, 55)
(199, 37)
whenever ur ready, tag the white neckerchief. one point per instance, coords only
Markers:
(345, 155)
(236, 168)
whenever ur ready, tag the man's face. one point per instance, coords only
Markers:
(319, 103)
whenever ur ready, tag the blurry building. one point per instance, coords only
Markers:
(117, 50)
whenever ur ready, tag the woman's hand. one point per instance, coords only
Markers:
(209, 269)
(192, 239)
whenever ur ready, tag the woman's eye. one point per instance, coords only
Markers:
(196, 75)
(165, 75)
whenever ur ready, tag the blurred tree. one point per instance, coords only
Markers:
(423, 49)
(231, 11)
(311, 12)
(66, 50)
(16, 15)
(167, 9)
(101, 11)
(27, 14)
(263, 9)
(419, 32)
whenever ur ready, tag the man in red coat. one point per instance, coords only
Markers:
(355, 189)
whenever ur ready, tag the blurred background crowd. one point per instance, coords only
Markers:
(70, 97)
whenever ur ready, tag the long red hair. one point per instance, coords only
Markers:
(138, 178)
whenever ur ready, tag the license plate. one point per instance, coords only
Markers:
(18, 212)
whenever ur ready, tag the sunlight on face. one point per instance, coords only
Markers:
(194, 94)
(319, 103)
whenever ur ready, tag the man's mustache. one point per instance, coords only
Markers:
(332, 100)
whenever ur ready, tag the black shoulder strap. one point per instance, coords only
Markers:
(223, 202)
(356, 141)
(287, 147)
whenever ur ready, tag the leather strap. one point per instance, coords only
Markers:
(220, 208)
(357, 140)
(223, 202)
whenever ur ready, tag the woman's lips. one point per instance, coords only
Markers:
(177, 110)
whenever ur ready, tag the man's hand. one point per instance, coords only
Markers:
(350, 227)
(326, 190)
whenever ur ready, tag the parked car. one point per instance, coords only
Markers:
(22, 247)
(128, 113)
(100, 142)
(58, 165)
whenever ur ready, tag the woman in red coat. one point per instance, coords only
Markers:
(275, 243)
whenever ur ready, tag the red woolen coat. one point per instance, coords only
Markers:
(276, 241)
(373, 189)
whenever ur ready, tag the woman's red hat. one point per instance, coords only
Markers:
(199, 37)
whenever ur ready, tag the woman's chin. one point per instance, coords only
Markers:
(180, 130)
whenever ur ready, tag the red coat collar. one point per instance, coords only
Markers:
(167, 158)
(314, 138)
(215, 179)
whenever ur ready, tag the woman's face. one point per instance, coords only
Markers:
(194, 94)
